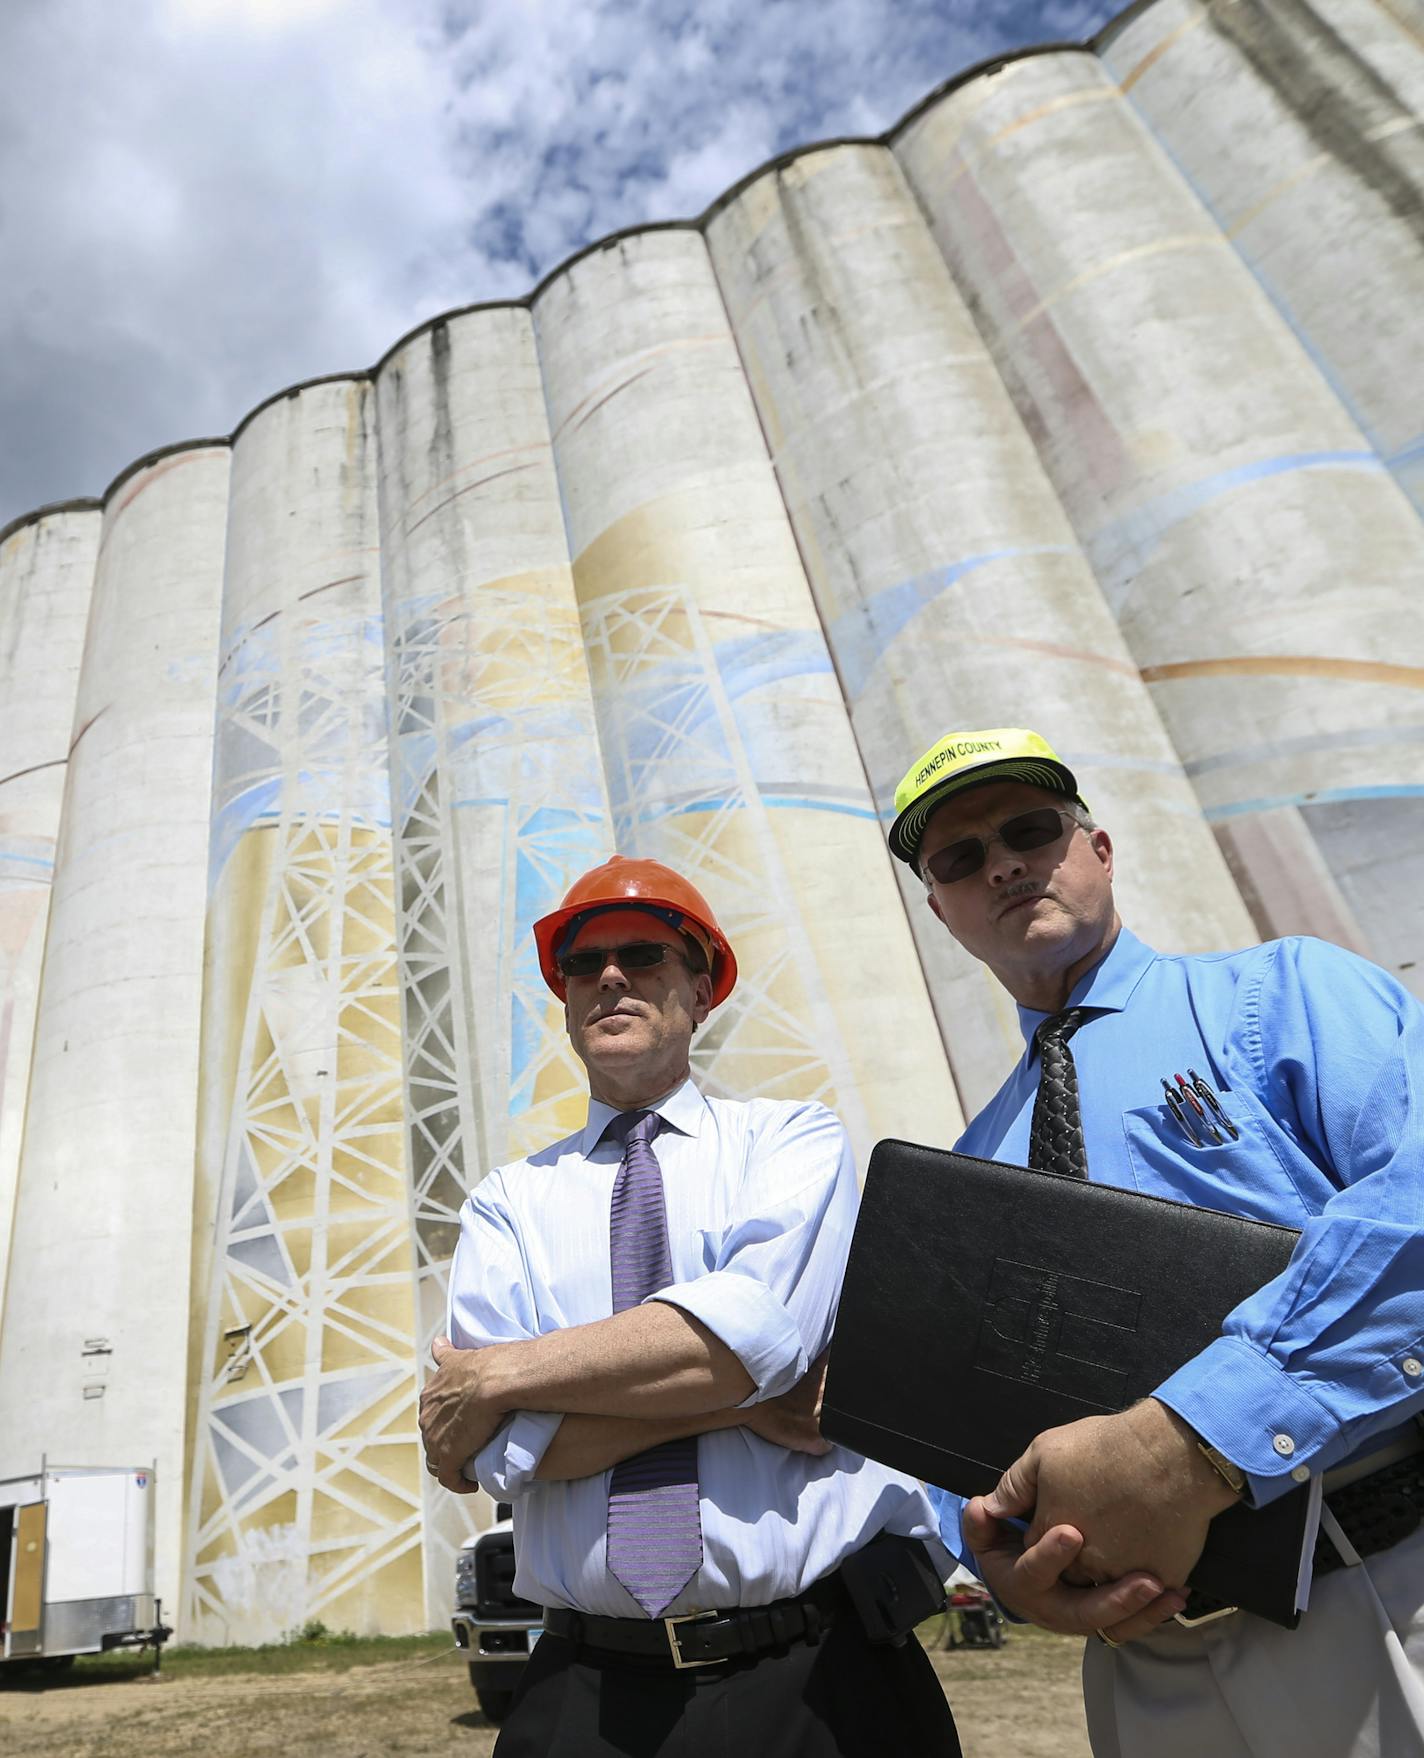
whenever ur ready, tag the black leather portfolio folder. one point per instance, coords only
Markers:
(984, 1303)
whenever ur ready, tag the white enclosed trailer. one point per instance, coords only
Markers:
(76, 1562)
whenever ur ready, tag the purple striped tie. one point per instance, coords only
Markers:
(654, 1522)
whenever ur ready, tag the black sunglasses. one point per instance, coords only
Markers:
(1030, 830)
(637, 955)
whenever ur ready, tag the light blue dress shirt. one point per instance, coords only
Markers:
(1318, 1057)
(761, 1200)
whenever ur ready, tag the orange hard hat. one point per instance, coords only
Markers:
(623, 882)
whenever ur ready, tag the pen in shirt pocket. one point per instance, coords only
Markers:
(1204, 1123)
(1179, 1111)
(1185, 1102)
(1208, 1092)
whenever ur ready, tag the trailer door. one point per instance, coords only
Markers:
(25, 1612)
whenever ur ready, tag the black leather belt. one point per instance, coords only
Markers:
(704, 1638)
(1375, 1514)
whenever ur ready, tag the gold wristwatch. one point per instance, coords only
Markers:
(1230, 1474)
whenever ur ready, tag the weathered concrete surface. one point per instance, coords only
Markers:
(950, 583)
(95, 1342)
(1300, 124)
(306, 1487)
(1262, 563)
(46, 575)
(496, 780)
(1085, 399)
(726, 745)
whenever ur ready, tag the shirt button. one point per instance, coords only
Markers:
(1301, 1474)
(1284, 1445)
(1412, 1367)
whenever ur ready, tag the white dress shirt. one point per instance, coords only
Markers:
(761, 1199)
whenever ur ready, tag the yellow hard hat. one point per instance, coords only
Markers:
(969, 759)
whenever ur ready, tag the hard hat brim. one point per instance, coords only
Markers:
(907, 832)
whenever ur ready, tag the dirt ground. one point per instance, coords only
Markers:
(1021, 1701)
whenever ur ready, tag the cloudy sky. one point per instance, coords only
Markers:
(202, 201)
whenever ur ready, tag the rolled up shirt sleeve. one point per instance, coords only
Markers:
(505, 1467)
(1330, 1353)
(490, 1302)
(771, 1293)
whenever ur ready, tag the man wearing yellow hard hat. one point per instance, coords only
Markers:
(637, 1314)
(1284, 1082)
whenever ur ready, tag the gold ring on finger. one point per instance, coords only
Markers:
(1106, 1640)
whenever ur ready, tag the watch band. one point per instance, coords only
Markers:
(1230, 1474)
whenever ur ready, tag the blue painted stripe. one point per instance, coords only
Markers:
(806, 805)
(1257, 264)
(1410, 453)
(1326, 796)
(27, 860)
(860, 634)
(719, 802)
(1120, 547)
(1356, 739)
(1078, 761)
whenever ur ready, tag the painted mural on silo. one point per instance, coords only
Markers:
(306, 1483)
(46, 575)
(498, 795)
(1006, 417)
(1262, 562)
(949, 582)
(726, 745)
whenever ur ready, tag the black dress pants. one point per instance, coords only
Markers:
(840, 1699)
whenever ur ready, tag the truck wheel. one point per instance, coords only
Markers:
(494, 1704)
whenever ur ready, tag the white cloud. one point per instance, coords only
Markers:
(206, 200)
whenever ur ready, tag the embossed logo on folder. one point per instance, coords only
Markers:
(1061, 1332)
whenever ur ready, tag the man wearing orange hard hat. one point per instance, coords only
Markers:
(636, 1315)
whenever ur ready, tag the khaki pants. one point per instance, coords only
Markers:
(1349, 1683)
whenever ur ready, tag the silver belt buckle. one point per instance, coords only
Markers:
(670, 1625)
(1223, 1611)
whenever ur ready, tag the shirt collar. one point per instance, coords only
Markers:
(1107, 987)
(683, 1110)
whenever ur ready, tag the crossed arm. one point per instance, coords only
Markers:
(657, 1374)
(616, 1386)
(621, 1384)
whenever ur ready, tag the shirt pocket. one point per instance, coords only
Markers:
(1241, 1174)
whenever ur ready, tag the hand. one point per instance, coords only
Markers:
(458, 1413)
(793, 1420)
(1135, 1486)
(1030, 1582)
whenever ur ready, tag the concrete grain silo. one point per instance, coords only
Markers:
(1259, 558)
(1081, 398)
(94, 1354)
(46, 576)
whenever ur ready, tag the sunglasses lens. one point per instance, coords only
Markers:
(638, 955)
(957, 861)
(642, 955)
(1032, 830)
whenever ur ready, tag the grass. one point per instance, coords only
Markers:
(317, 1649)
(314, 1649)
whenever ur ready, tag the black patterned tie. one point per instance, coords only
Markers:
(1055, 1138)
